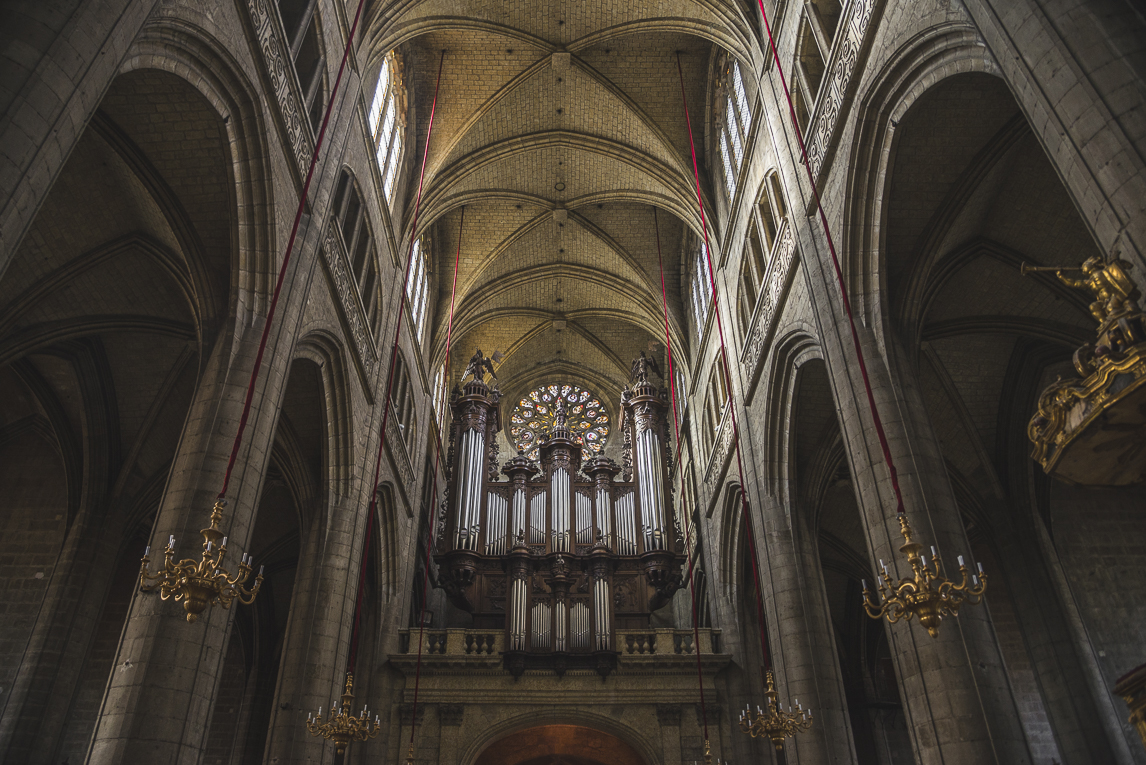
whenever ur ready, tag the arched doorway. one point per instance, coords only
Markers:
(559, 745)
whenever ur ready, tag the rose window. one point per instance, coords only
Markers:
(533, 418)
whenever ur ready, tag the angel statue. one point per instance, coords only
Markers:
(1113, 289)
(478, 366)
(639, 372)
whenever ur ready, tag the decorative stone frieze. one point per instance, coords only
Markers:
(280, 71)
(350, 304)
(834, 91)
(767, 311)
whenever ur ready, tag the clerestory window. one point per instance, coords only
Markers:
(417, 288)
(387, 118)
(734, 127)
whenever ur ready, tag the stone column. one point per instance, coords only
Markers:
(157, 706)
(800, 628)
(955, 690)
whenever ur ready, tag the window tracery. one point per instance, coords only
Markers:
(387, 118)
(533, 418)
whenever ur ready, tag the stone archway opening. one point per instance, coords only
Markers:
(559, 745)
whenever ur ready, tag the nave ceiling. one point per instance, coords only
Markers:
(558, 162)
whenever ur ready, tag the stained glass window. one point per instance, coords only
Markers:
(532, 419)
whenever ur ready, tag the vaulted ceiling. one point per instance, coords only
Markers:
(559, 130)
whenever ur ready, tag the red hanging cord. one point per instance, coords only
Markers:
(352, 656)
(434, 494)
(767, 662)
(883, 445)
(683, 495)
(286, 256)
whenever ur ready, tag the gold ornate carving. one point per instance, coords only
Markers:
(1092, 429)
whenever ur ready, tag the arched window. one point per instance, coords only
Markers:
(350, 213)
(388, 120)
(715, 400)
(440, 395)
(300, 22)
(418, 287)
(402, 403)
(734, 126)
(701, 290)
(763, 230)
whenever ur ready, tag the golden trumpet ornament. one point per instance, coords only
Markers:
(927, 594)
(773, 722)
(200, 583)
(344, 727)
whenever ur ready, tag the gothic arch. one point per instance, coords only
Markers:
(649, 751)
(327, 351)
(940, 52)
(190, 53)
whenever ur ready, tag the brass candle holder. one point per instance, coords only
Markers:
(773, 722)
(927, 594)
(344, 727)
(200, 583)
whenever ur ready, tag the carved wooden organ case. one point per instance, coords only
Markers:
(560, 555)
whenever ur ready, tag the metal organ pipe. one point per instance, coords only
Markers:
(601, 610)
(469, 490)
(518, 527)
(496, 533)
(650, 483)
(537, 519)
(584, 519)
(517, 615)
(626, 525)
(604, 522)
(559, 521)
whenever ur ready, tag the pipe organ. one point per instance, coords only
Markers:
(559, 553)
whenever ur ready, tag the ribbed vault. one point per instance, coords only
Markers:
(559, 129)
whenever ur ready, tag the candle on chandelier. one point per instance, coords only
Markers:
(960, 559)
(171, 541)
(146, 551)
(225, 543)
(980, 566)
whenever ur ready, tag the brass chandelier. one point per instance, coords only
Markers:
(927, 594)
(200, 583)
(344, 727)
(773, 722)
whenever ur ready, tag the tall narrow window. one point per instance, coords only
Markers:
(417, 288)
(387, 120)
(701, 290)
(402, 401)
(300, 22)
(734, 127)
(440, 395)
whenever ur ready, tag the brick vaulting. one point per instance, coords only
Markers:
(153, 154)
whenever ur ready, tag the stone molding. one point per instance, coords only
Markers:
(767, 312)
(350, 306)
(833, 95)
(396, 447)
(280, 71)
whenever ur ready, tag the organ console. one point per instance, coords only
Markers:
(559, 553)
